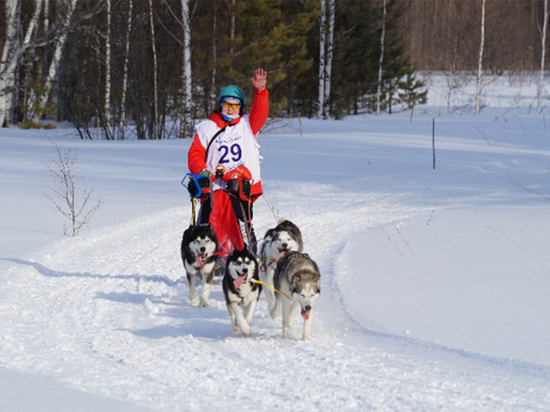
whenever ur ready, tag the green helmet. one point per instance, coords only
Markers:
(232, 91)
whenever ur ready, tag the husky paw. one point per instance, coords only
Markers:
(194, 300)
(236, 329)
(247, 331)
(204, 303)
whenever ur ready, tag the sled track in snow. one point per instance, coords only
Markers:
(109, 314)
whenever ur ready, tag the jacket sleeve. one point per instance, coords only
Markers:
(196, 156)
(259, 111)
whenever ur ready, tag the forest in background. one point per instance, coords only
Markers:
(150, 67)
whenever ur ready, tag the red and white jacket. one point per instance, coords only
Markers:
(236, 145)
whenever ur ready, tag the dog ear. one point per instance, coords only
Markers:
(269, 233)
(210, 230)
(187, 231)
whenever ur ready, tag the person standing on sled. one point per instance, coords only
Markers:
(226, 150)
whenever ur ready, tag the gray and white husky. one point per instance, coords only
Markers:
(199, 248)
(277, 242)
(240, 290)
(298, 276)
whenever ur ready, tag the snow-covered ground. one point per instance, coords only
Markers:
(435, 283)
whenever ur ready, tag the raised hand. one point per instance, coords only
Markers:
(259, 80)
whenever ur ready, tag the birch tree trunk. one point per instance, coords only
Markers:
(13, 51)
(480, 61)
(330, 48)
(44, 53)
(107, 108)
(122, 117)
(26, 42)
(54, 64)
(154, 130)
(540, 88)
(322, 63)
(8, 54)
(186, 120)
(9, 60)
(381, 62)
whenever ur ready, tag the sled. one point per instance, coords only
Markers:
(225, 204)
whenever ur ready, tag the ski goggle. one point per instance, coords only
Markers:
(234, 106)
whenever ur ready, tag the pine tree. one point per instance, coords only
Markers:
(412, 93)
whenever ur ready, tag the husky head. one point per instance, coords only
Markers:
(199, 243)
(241, 266)
(306, 288)
(282, 239)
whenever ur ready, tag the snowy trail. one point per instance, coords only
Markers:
(109, 314)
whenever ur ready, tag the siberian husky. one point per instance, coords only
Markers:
(297, 275)
(277, 242)
(199, 248)
(241, 293)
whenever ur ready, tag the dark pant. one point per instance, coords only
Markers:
(243, 213)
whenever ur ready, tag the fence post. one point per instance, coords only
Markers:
(433, 142)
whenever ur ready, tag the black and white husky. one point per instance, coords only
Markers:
(199, 248)
(241, 293)
(298, 276)
(277, 242)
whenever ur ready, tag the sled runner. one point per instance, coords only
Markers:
(225, 203)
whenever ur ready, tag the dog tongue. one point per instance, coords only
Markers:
(305, 314)
(239, 281)
(200, 260)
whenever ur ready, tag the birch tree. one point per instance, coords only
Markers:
(154, 130)
(54, 64)
(107, 108)
(540, 88)
(381, 62)
(322, 63)
(13, 51)
(122, 116)
(330, 49)
(480, 59)
(326, 40)
(8, 61)
(186, 119)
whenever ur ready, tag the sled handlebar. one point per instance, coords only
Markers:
(197, 186)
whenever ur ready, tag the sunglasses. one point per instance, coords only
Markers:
(234, 106)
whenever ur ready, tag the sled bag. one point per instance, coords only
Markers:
(224, 211)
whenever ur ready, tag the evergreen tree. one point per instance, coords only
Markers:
(357, 46)
(412, 93)
(357, 54)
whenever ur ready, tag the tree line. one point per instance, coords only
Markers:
(150, 67)
(444, 35)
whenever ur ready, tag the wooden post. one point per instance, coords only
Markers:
(433, 142)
